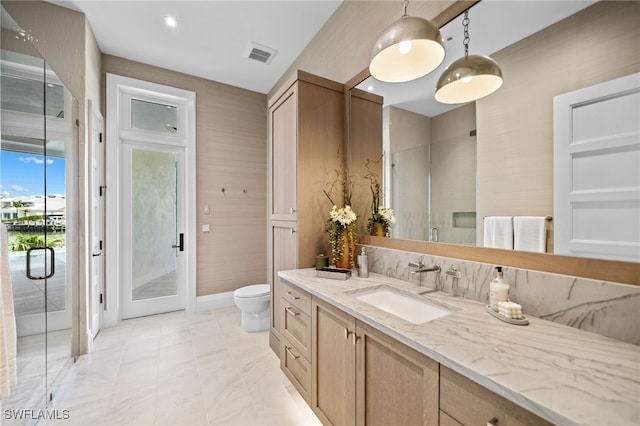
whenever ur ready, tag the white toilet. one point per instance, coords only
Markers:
(253, 301)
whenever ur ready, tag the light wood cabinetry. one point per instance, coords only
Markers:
(465, 402)
(333, 397)
(361, 376)
(396, 385)
(305, 135)
(284, 249)
(295, 339)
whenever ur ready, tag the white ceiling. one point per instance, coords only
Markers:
(211, 38)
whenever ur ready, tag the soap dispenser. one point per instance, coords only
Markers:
(498, 289)
(363, 265)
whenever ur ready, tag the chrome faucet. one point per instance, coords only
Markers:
(421, 267)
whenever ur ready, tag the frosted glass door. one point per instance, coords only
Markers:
(153, 233)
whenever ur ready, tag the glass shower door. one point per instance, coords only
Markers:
(36, 130)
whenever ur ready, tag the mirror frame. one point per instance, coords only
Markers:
(598, 269)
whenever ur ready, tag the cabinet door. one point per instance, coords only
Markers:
(395, 384)
(470, 404)
(285, 248)
(333, 364)
(284, 142)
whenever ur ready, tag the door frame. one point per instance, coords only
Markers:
(97, 195)
(117, 88)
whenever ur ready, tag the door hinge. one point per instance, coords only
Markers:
(103, 187)
(100, 245)
(100, 137)
(101, 298)
(77, 122)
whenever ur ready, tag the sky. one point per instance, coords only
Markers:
(22, 175)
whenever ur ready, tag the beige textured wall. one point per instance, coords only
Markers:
(453, 124)
(515, 124)
(231, 132)
(407, 129)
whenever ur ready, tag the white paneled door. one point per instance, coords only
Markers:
(597, 171)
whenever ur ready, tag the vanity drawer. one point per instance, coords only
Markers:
(296, 327)
(298, 298)
(469, 403)
(296, 367)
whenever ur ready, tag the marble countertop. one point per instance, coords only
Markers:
(562, 374)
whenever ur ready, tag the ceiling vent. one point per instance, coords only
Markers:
(260, 53)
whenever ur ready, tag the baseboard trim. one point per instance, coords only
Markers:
(212, 301)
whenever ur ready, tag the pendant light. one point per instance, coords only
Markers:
(469, 78)
(407, 49)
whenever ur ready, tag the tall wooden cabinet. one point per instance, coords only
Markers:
(306, 135)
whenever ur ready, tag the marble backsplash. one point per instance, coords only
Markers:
(606, 308)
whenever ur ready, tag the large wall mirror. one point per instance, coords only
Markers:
(446, 167)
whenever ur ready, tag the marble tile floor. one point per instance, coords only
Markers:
(33, 359)
(180, 369)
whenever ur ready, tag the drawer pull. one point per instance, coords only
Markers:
(348, 333)
(355, 338)
(292, 210)
(288, 349)
(291, 311)
(294, 297)
(493, 422)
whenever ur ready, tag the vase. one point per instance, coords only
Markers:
(377, 230)
(348, 249)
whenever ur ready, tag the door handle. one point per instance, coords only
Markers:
(52, 261)
(180, 244)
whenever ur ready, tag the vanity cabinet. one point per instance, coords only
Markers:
(284, 249)
(464, 402)
(361, 376)
(295, 339)
(306, 118)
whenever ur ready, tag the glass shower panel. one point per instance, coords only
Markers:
(58, 125)
(22, 179)
(36, 128)
(453, 190)
(154, 224)
(410, 193)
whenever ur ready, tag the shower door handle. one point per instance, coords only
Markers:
(52, 262)
(180, 244)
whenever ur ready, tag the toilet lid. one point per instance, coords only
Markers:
(252, 291)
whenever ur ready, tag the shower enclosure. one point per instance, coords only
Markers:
(37, 135)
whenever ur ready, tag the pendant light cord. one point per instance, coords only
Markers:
(405, 3)
(465, 24)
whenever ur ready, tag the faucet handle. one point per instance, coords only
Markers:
(416, 265)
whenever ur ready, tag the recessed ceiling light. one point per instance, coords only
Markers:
(371, 88)
(170, 21)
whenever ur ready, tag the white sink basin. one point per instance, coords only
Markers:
(414, 309)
